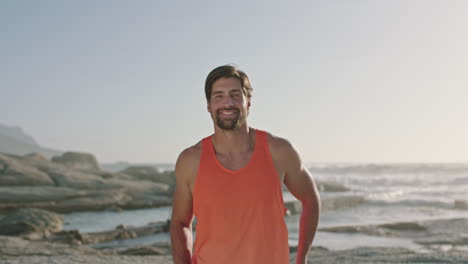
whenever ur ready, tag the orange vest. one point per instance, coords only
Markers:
(240, 214)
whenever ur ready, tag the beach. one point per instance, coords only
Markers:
(18, 251)
(371, 213)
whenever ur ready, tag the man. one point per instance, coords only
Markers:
(231, 181)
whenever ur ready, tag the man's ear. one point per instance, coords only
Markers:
(208, 107)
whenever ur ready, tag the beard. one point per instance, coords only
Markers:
(230, 123)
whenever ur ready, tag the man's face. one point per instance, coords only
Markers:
(228, 105)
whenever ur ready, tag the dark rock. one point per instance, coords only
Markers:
(144, 251)
(404, 226)
(30, 220)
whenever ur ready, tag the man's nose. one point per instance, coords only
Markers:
(228, 101)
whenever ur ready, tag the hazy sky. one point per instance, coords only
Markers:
(344, 81)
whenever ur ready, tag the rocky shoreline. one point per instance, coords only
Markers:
(15, 250)
(35, 237)
(34, 191)
(74, 182)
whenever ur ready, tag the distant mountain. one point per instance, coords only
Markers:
(14, 141)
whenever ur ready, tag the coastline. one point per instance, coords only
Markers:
(14, 250)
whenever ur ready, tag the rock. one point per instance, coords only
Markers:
(85, 180)
(440, 234)
(150, 173)
(19, 247)
(77, 187)
(13, 172)
(77, 160)
(61, 199)
(460, 204)
(145, 251)
(140, 188)
(146, 201)
(31, 221)
(34, 158)
(94, 201)
(125, 233)
(404, 226)
(31, 194)
(71, 237)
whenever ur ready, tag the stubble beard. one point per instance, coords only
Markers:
(231, 123)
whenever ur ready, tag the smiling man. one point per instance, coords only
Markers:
(231, 181)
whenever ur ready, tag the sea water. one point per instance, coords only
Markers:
(391, 192)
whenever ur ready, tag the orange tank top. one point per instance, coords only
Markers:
(240, 214)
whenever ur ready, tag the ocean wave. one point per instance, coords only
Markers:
(413, 203)
(327, 204)
(391, 168)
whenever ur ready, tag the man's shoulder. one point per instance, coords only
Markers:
(283, 152)
(278, 144)
(190, 155)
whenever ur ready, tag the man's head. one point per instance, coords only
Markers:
(227, 71)
(228, 92)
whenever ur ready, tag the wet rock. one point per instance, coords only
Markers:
(31, 221)
(125, 232)
(404, 226)
(145, 251)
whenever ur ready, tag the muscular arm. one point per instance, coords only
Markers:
(301, 184)
(182, 208)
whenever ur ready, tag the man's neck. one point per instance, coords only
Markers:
(233, 142)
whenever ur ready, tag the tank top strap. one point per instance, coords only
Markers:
(262, 138)
(207, 147)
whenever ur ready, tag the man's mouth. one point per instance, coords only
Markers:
(227, 113)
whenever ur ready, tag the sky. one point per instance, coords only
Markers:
(344, 81)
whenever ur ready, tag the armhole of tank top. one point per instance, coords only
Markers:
(269, 157)
(197, 175)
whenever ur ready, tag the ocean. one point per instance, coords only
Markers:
(391, 193)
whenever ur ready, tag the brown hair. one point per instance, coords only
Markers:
(227, 71)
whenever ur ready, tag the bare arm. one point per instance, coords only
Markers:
(301, 184)
(182, 208)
